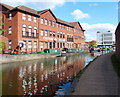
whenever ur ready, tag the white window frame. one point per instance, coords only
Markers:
(29, 18)
(41, 45)
(35, 32)
(46, 22)
(29, 44)
(23, 29)
(24, 16)
(42, 21)
(35, 44)
(10, 30)
(10, 16)
(46, 33)
(35, 19)
(10, 44)
(41, 32)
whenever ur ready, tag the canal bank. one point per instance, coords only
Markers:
(26, 57)
(99, 79)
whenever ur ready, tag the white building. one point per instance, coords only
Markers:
(105, 38)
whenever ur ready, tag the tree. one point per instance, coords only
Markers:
(93, 43)
(2, 46)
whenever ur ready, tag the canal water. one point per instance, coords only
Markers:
(43, 77)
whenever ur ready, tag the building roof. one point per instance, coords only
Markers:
(63, 22)
(43, 11)
(26, 9)
(74, 23)
(7, 6)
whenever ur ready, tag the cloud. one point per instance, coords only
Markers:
(41, 4)
(78, 14)
(93, 4)
(99, 27)
(91, 30)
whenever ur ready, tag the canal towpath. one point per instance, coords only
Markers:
(99, 78)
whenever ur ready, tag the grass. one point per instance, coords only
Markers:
(116, 64)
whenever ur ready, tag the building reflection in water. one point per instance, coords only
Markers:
(40, 77)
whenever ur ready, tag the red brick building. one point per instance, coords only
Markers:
(39, 30)
(118, 42)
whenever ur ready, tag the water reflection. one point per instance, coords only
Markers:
(41, 77)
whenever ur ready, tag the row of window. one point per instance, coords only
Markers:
(43, 44)
(46, 22)
(52, 33)
(30, 18)
(54, 24)
(24, 31)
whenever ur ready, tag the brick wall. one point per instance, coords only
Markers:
(118, 42)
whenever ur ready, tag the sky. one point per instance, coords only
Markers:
(93, 16)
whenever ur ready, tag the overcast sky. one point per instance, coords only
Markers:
(93, 16)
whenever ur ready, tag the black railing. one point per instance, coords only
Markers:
(70, 39)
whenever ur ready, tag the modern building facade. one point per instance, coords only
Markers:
(118, 42)
(39, 30)
(105, 39)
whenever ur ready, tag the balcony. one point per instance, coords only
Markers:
(70, 39)
(30, 36)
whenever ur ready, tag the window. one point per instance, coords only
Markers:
(50, 23)
(24, 16)
(46, 21)
(63, 44)
(23, 29)
(41, 45)
(29, 30)
(58, 34)
(60, 26)
(41, 20)
(50, 33)
(29, 18)
(50, 44)
(67, 28)
(35, 44)
(24, 42)
(35, 31)
(57, 25)
(53, 34)
(10, 16)
(63, 35)
(46, 33)
(35, 19)
(60, 45)
(29, 44)
(41, 32)
(10, 30)
(10, 44)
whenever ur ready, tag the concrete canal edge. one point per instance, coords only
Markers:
(26, 57)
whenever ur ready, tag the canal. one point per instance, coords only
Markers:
(44, 76)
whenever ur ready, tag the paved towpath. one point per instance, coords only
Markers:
(99, 78)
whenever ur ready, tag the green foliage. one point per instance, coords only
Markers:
(2, 46)
(116, 64)
(93, 43)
